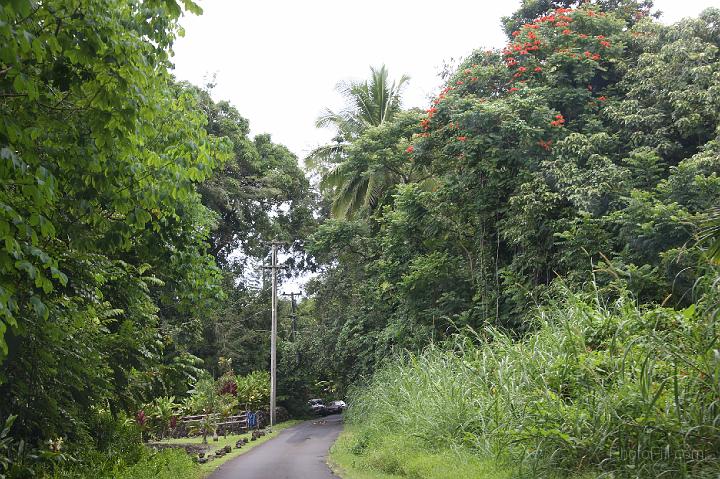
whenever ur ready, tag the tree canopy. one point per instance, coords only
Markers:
(584, 155)
(560, 193)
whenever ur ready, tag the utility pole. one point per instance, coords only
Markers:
(293, 315)
(293, 319)
(273, 331)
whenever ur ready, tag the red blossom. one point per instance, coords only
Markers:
(567, 31)
(515, 33)
(596, 57)
(545, 144)
(558, 121)
(538, 69)
(512, 89)
(605, 43)
(462, 138)
(522, 69)
(602, 98)
(409, 149)
(141, 418)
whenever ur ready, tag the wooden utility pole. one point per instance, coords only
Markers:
(273, 331)
(293, 315)
(273, 337)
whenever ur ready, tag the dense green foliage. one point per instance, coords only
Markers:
(611, 387)
(572, 172)
(102, 225)
(129, 205)
(575, 172)
(586, 150)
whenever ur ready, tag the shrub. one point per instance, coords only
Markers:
(253, 390)
(168, 464)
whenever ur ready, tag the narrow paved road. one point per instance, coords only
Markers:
(299, 452)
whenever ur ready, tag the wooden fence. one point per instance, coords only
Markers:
(232, 424)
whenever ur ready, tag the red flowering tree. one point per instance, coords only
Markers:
(530, 140)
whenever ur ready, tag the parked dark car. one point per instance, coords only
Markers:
(321, 409)
(336, 407)
(317, 406)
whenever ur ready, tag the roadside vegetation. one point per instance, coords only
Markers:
(595, 389)
(123, 193)
(526, 285)
(520, 280)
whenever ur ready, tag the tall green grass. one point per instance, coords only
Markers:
(607, 390)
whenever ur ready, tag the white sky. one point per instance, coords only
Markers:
(278, 61)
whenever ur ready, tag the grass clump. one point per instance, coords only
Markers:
(595, 390)
(396, 456)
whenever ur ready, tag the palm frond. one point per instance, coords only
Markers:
(710, 233)
(321, 158)
(335, 176)
(350, 197)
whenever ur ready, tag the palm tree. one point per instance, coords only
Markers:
(370, 103)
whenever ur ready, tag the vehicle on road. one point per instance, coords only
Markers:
(317, 406)
(336, 407)
(321, 409)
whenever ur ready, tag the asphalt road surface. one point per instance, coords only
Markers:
(299, 452)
